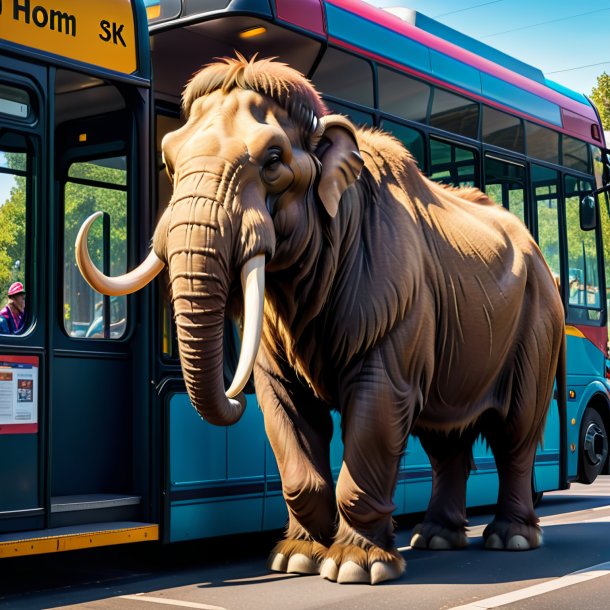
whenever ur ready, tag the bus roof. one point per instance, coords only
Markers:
(110, 35)
(417, 44)
(414, 43)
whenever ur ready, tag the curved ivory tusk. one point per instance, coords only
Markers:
(253, 286)
(113, 286)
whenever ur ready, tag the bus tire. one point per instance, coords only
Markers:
(593, 451)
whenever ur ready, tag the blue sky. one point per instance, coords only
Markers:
(569, 41)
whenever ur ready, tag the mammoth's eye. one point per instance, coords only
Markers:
(273, 165)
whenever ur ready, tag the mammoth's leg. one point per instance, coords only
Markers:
(515, 526)
(513, 440)
(444, 525)
(299, 428)
(376, 419)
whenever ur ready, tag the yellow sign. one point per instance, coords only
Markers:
(101, 33)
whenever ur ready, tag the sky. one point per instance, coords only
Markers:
(569, 41)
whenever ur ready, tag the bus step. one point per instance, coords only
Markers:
(63, 504)
(74, 537)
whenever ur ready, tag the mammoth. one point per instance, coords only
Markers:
(406, 305)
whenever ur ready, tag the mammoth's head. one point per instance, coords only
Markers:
(258, 145)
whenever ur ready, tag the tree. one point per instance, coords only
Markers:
(600, 95)
(91, 186)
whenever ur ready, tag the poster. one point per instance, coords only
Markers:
(18, 394)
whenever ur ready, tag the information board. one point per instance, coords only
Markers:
(18, 394)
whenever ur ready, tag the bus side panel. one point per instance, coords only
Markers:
(585, 363)
(546, 465)
(216, 474)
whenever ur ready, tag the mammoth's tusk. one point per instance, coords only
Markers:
(253, 286)
(113, 286)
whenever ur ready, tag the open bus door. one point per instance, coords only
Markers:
(75, 425)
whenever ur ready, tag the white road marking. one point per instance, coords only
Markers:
(602, 569)
(170, 602)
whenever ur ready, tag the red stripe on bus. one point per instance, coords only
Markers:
(598, 335)
(33, 360)
(306, 14)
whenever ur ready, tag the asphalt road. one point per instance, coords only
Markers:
(571, 571)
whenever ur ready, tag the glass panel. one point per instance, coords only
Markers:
(403, 96)
(542, 143)
(454, 113)
(576, 154)
(15, 193)
(604, 217)
(545, 183)
(584, 301)
(84, 312)
(411, 138)
(344, 76)
(505, 184)
(357, 116)
(599, 168)
(14, 102)
(503, 130)
(452, 164)
(114, 170)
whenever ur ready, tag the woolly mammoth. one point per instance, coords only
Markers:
(407, 306)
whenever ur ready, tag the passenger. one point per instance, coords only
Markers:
(12, 316)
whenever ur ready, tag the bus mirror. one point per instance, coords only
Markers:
(588, 213)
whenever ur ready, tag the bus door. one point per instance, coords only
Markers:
(99, 420)
(23, 357)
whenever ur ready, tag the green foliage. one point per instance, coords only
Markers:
(600, 95)
(12, 226)
(81, 200)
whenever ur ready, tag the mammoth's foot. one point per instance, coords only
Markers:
(296, 557)
(507, 536)
(435, 537)
(348, 563)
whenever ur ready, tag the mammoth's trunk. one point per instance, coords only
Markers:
(198, 256)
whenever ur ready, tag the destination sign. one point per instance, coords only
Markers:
(98, 33)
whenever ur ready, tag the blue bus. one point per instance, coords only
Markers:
(114, 450)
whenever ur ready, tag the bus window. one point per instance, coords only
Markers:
(575, 155)
(358, 117)
(505, 184)
(584, 302)
(15, 195)
(97, 184)
(15, 102)
(346, 77)
(542, 143)
(452, 164)
(411, 138)
(545, 184)
(503, 130)
(403, 96)
(454, 113)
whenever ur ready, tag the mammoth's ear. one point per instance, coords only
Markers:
(337, 149)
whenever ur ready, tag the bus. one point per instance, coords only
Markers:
(113, 451)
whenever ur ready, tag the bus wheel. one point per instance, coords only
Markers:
(593, 446)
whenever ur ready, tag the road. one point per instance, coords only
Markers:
(571, 571)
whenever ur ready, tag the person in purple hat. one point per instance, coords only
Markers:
(12, 316)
